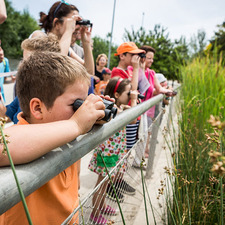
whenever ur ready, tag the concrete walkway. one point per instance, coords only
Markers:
(162, 159)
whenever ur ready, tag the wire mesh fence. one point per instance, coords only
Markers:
(128, 189)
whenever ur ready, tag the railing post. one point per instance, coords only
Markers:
(153, 142)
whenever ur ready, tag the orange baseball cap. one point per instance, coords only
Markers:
(130, 47)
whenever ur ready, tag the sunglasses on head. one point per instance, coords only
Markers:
(58, 7)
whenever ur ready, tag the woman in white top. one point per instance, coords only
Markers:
(61, 21)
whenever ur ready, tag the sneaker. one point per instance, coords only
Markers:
(124, 187)
(98, 219)
(111, 195)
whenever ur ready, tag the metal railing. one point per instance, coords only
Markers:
(33, 175)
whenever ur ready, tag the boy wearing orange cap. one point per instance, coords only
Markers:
(128, 56)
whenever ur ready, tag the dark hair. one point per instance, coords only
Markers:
(109, 90)
(56, 11)
(147, 48)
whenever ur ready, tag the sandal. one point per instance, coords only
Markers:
(109, 211)
(98, 219)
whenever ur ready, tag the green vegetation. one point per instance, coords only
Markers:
(15, 29)
(102, 46)
(198, 175)
(218, 41)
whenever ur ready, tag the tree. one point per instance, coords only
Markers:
(218, 41)
(15, 29)
(102, 46)
(179, 56)
(197, 44)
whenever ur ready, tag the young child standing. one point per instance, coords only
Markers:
(47, 86)
(113, 149)
(101, 85)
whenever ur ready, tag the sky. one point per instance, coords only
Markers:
(180, 17)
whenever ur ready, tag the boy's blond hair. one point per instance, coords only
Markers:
(46, 75)
(48, 42)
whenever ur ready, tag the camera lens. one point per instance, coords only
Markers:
(142, 55)
(114, 112)
(107, 115)
(77, 104)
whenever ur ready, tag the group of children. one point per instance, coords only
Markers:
(47, 84)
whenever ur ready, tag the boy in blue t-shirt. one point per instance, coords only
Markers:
(4, 67)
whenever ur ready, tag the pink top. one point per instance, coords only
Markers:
(150, 74)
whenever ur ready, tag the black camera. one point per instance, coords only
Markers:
(110, 111)
(84, 23)
(142, 55)
(141, 96)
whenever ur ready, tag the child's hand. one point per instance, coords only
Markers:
(135, 61)
(134, 95)
(133, 98)
(124, 107)
(106, 97)
(142, 64)
(88, 113)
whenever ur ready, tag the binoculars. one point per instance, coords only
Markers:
(110, 111)
(84, 23)
(142, 55)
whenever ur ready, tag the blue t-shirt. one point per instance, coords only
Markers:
(4, 67)
(91, 88)
(13, 109)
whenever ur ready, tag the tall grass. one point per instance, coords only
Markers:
(198, 194)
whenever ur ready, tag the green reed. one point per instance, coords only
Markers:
(198, 194)
(4, 142)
